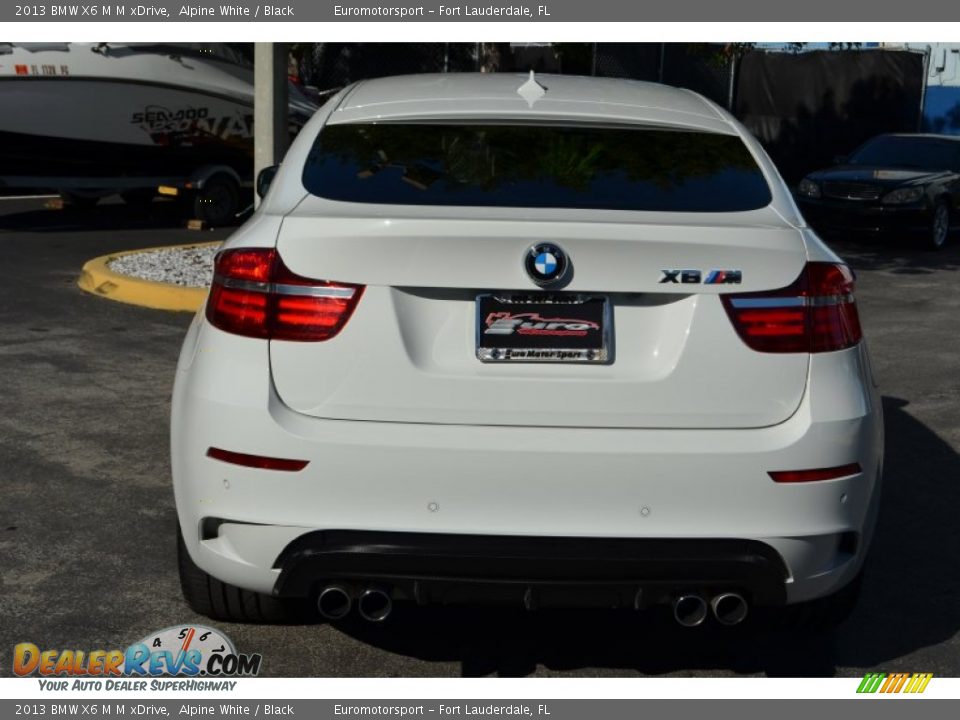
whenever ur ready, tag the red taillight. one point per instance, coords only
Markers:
(254, 264)
(798, 476)
(261, 462)
(256, 295)
(817, 313)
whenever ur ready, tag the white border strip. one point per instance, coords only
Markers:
(509, 688)
(520, 688)
(921, 32)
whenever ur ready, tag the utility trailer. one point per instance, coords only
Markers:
(214, 194)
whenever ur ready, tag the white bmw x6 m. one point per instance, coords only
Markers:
(535, 340)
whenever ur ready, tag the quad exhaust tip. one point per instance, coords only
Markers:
(334, 602)
(375, 605)
(690, 610)
(729, 608)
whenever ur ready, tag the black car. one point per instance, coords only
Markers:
(905, 184)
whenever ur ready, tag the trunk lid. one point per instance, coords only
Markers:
(409, 352)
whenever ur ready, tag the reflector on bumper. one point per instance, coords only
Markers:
(256, 461)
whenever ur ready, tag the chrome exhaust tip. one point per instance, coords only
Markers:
(375, 605)
(729, 608)
(689, 610)
(334, 602)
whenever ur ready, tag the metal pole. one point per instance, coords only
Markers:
(733, 79)
(923, 87)
(271, 132)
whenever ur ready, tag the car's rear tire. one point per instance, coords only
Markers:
(825, 613)
(219, 601)
(939, 226)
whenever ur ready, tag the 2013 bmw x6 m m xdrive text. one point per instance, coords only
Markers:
(543, 341)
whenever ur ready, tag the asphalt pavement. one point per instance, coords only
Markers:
(87, 519)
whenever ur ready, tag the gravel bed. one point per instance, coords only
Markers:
(189, 267)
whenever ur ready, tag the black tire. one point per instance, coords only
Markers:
(823, 614)
(939, 226)
(219, 601)
(217, 203)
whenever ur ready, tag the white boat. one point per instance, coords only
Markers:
(85, 112)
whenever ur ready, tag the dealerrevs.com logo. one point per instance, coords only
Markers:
(181, 651)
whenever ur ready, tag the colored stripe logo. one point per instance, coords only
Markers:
(894, 683)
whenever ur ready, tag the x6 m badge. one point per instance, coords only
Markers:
(699, 277)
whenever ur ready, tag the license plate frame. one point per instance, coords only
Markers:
(544, 328)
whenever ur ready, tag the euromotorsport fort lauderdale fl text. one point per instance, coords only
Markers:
(447, 11)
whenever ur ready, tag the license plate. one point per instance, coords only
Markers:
(543, 328)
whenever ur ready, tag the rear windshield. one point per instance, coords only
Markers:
(535, 167)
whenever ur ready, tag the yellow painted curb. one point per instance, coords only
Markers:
(98, 279)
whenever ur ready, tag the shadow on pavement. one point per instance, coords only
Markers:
(911, 597)
(109, 214)
(910, 601)
(902, 256)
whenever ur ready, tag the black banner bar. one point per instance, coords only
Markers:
(481, 11)
(213, 708)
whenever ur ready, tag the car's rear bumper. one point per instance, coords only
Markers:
(534, 571)
(557, 494)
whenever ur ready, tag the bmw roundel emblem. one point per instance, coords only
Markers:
(546, 264)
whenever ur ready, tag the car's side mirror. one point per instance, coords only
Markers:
(840, 159)
(264, 178)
